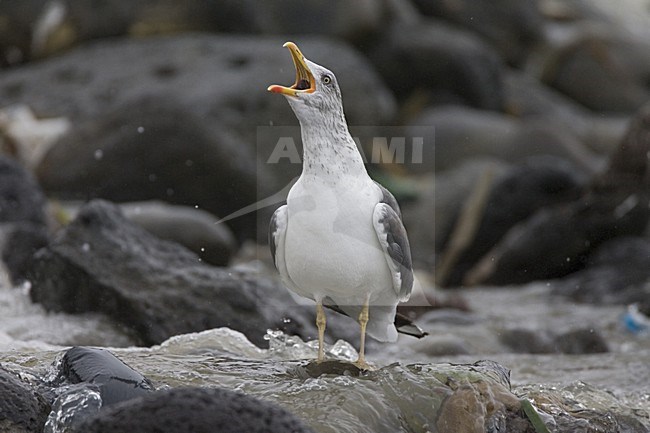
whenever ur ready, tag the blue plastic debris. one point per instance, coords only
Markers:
(635, 321)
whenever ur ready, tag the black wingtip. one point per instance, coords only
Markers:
(406, 326)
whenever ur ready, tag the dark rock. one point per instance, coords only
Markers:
(195, 410)
(431, 216)
(115, 380)
(18, 244)
(208, 90)
(21, 199)
(353, 21)
(581, 341)
(22, 410)
(527, 341)
(577, 341)
(617, 272)
(151, 17)
(465, 69)
(147, 139)
(102, 262)
(339, 368)
(461, 133)
(527, 97)
(557, 240)
(604, 72)
(38, 29)
(219, 78)
(28, 37)
(195, 229)
(16, 32)
(22, 218)
(515, 196)
(511, 26)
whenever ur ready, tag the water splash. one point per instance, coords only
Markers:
(74, 404)
(291, 347)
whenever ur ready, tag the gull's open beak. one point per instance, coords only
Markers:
(305, 82)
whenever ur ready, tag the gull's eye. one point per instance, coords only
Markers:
(326, 79)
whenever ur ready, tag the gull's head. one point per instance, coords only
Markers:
(315, 91)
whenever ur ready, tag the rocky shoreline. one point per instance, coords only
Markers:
(135, 187)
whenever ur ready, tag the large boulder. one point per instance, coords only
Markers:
(181, 123)
(558, 240)
(511, 26)
(514, 197)
(604, 71)
(102, 262)
(465, 69)
(36, 29)
(163, 152)
(195, 229)
(617, 272)
(461, 133)
(220, 78)
(195, 410)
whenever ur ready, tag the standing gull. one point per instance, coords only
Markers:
(339, 240)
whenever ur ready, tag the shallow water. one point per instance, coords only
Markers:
(31, 340)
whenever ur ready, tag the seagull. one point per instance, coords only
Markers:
(339, 240)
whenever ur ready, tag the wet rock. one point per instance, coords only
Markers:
(195, 229)
(604, 72)
(482, 404)
(116, 381)
(601, 410)
(316, 369)
(22, 410)
(195, 410)
(466, 70)
(102, 262)
(556, 241)
(461, 133)
(515, 196)
(511, 26)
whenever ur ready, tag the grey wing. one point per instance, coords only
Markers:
(395, 244)
(277, 235)
(389, 199)
(277, 232)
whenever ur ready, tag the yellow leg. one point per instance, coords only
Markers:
(320, 323)
(363, 321)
